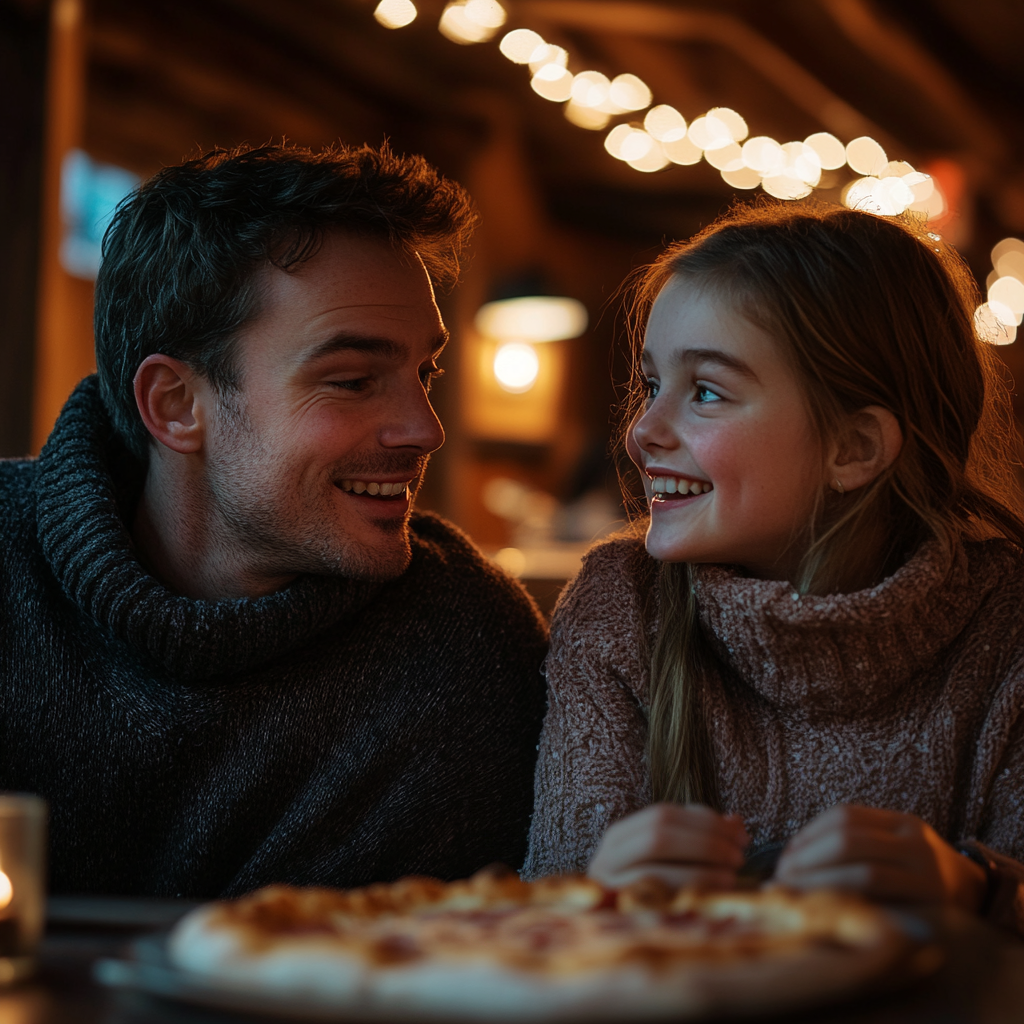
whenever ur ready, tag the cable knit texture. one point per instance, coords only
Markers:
(336, 732)
(908, 696)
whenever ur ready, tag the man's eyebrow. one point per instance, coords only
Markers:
(714, 355)
(386, 348)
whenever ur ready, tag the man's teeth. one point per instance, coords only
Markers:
(678, 485)
(372, 487)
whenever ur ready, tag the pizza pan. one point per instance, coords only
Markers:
(738, 988)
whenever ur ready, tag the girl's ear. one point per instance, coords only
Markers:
(869, 445)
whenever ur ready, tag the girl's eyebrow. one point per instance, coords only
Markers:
(714, 355)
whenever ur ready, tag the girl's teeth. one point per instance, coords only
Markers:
(675, 485)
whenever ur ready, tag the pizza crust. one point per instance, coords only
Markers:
(496, 948)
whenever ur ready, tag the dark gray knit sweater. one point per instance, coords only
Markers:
(333, 733)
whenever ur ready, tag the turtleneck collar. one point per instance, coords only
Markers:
(90, 552)
(842, 653)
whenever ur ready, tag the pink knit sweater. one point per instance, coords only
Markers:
(907, 696)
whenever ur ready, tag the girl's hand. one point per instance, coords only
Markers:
(681, 845)
(885, 855)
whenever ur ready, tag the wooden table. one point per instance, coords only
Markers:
(981, 982)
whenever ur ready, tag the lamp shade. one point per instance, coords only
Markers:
(532, 318)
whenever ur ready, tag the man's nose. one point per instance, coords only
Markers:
(413, 424)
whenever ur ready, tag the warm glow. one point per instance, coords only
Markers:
(887, 196)
(866, 156)
(516, 367)
(395, 13)
(745, 177)
(763, 154)
(682, 151)
(585, 117)
(725, 158)
(653, 160)
(553, 82)
(629, 92)
(1009, 293)
(991, 329)
(1010, 264)
(6, 890)
(802, 163)
(709, 133)
(785, 186)
(665, 123)
(590, 89)
(735, 124)
(831, 152)
(456, 25)
(921, 184)
(1004, 248)
(549, 55)
(533, 318)
(521, 46)
(487, 14)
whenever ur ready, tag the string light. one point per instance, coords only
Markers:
(997, 319)
(788, 171)
(395, 13)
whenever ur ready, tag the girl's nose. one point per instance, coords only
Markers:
(650, 431)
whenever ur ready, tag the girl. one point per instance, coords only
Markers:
(818, 662)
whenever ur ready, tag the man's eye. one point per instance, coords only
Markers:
(355, 384)
(703, 394)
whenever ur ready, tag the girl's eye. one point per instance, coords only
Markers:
(703, 394)
(650, 388)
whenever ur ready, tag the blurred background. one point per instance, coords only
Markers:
(590, 133)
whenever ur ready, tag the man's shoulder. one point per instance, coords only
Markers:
(17, 481)
(443, 553)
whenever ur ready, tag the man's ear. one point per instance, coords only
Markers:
(868, 446)
(169, 396)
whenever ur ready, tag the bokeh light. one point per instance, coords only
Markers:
(831, 152)
(630, 92)
(590, 89)
(395, 13)
(665, 123)
(516, 367)
(521, 45)
(553, 82)
(866, 156)
(763, 154)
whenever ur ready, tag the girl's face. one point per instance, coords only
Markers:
(731, 462)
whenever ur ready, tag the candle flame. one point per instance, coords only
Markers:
(6, 890)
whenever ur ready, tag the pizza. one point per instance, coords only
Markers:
(497, 948)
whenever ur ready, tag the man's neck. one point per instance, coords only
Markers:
(180, 540)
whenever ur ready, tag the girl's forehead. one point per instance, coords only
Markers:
(686, 315)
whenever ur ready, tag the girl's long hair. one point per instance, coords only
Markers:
(869, 311)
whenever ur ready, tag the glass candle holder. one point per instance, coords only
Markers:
(22, 883)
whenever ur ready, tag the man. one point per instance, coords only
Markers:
(229, 652)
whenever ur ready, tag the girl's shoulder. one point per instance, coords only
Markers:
(607, 598)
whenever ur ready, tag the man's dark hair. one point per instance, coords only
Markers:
(181, 257)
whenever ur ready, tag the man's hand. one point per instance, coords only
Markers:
(884, 855)
(681, 845)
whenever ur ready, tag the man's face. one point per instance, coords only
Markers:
(312, 466)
